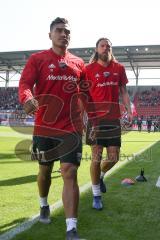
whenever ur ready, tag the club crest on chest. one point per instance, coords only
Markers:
(106, 74)
(62, 64)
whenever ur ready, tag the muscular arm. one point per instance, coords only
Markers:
(126, 101)
(27, 81)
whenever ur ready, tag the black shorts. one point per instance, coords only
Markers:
(108, 133)
(67, 148)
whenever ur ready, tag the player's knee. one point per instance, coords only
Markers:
(113, 158)
(96, 157)
(69, 172)
(96, 162)
(45, 172)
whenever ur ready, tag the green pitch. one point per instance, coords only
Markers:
(129, 213)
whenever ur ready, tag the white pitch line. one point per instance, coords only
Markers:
(31, 221)
(27, 224)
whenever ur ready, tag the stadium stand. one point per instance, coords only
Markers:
(9, 99)
(11, 111)
(147, 101)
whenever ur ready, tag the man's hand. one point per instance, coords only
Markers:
(92, 134)
(31, 106)
(129, 117)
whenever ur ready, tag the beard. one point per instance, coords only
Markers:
(105, 57)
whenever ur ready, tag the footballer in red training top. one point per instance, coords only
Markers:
(56, 80)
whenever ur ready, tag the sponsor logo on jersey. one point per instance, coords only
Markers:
(104, 84)
(115, 74)
(51, 67)
(62, 77)
(97, 75)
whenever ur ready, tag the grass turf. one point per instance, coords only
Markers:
(128, 214)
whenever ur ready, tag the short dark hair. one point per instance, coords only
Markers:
(57, 21)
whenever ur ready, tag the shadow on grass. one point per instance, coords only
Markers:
(24, 156)
(4, 156)
(10, 162)
(11, 224)
(23, 180)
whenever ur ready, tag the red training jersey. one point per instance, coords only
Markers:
(55, 80)
(104, 90)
